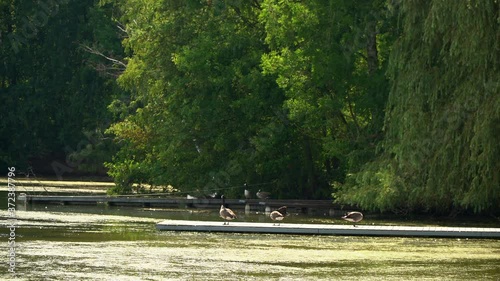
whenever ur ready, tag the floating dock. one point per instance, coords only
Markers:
(330, 229)
(302, 206)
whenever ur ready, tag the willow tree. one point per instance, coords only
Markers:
(443, 115)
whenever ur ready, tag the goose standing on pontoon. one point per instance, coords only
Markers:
(247, 192)
(278, 215)
(226, 213)
(353, 217)
(263, 194)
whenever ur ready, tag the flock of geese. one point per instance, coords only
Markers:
(276, 215)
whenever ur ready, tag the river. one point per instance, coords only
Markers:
(113, 243)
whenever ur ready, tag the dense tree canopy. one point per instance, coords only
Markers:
(391, 105)
(333, 80)
(231, 92)
(52, 95)
(443, 114)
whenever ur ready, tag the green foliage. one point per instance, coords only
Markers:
(333, 98)
(227, 93)
(50, 92)
(442, 144)
(393, 103)
(195, 93)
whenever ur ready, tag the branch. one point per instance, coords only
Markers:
(123, 29)
(111, 71)
(96, 52)
(115, 69)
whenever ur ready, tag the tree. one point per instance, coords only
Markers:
(442, 144)
(50, 94)
(235, 92)
(325, 56)
(197, 95)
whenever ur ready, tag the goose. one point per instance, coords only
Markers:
(226, 213)
(263, 194)
(353, 217)
(247, 192)
(278, 215)
(211, 195)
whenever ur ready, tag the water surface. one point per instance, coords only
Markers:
(112, 243)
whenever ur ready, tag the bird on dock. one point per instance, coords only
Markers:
(278, 215)
(211, 195)
(353, 217)
(263, 194)
(226, 213)
(247, 192)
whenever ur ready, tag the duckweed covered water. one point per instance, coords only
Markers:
(88, 243)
